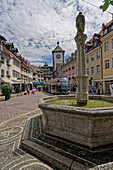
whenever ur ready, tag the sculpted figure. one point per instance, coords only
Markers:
(80, 23)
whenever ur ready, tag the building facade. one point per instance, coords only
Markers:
(47, 71)
(107, 55)
(38, 76)
(5, 63)
(93, 55)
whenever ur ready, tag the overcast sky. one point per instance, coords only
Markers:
(35, 26)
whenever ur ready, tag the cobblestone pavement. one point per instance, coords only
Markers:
(19, 105)
(11, 156)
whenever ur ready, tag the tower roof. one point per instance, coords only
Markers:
(58, 48)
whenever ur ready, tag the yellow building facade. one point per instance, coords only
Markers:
(93, 57)
(107, 56)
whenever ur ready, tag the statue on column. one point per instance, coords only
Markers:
(80, 23)
(81, 76)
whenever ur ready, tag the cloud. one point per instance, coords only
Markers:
(35, 26)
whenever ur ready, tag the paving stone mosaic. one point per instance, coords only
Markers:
(11, 156)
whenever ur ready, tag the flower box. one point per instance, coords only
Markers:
(9, 65)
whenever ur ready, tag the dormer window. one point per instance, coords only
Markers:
(95, 44)
(105, 31)
(111, 27)
(112, 43)
(86, 49)
(1, 47)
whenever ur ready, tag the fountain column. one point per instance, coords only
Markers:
(82, 78)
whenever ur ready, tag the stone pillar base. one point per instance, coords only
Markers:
(82, 97)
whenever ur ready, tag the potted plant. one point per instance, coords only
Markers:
(2, 61)
(2, 75)
(6, 90)
(8, 76)
(39, 88)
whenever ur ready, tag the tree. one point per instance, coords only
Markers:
(106, 4)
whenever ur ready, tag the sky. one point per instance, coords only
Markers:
(35, 26)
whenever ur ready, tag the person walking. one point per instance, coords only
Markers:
(28, 90)
(98, 91)
(33, 90)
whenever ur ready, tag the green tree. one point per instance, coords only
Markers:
(106, 4)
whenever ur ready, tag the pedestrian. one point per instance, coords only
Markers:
(33, 90)
(28, 90)
(98, 91)
(94, 90)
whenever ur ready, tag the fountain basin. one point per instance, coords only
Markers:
(88, 127)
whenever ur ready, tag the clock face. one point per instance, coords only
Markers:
(58, 56)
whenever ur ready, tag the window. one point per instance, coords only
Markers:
(16, 74)
(87, 59)
(106, 46)
(87, 71)
(16, 62)
(98, 68)
(73, 75)
(7, 73)
(112, 43)
(98, 54)
(106, 64)
(111, 28)
(92, 57)
(2, 58)
(112, 62)
(1, 47)
(105, 31)
(95, 44)
(92, 70)
(2, 71)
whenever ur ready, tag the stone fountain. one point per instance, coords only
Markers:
(72, 138)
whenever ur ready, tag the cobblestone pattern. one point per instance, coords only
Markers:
(11, 156)
(19, 105)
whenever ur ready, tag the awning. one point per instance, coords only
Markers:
(36, 82)
(6, 80)
(16, 82)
